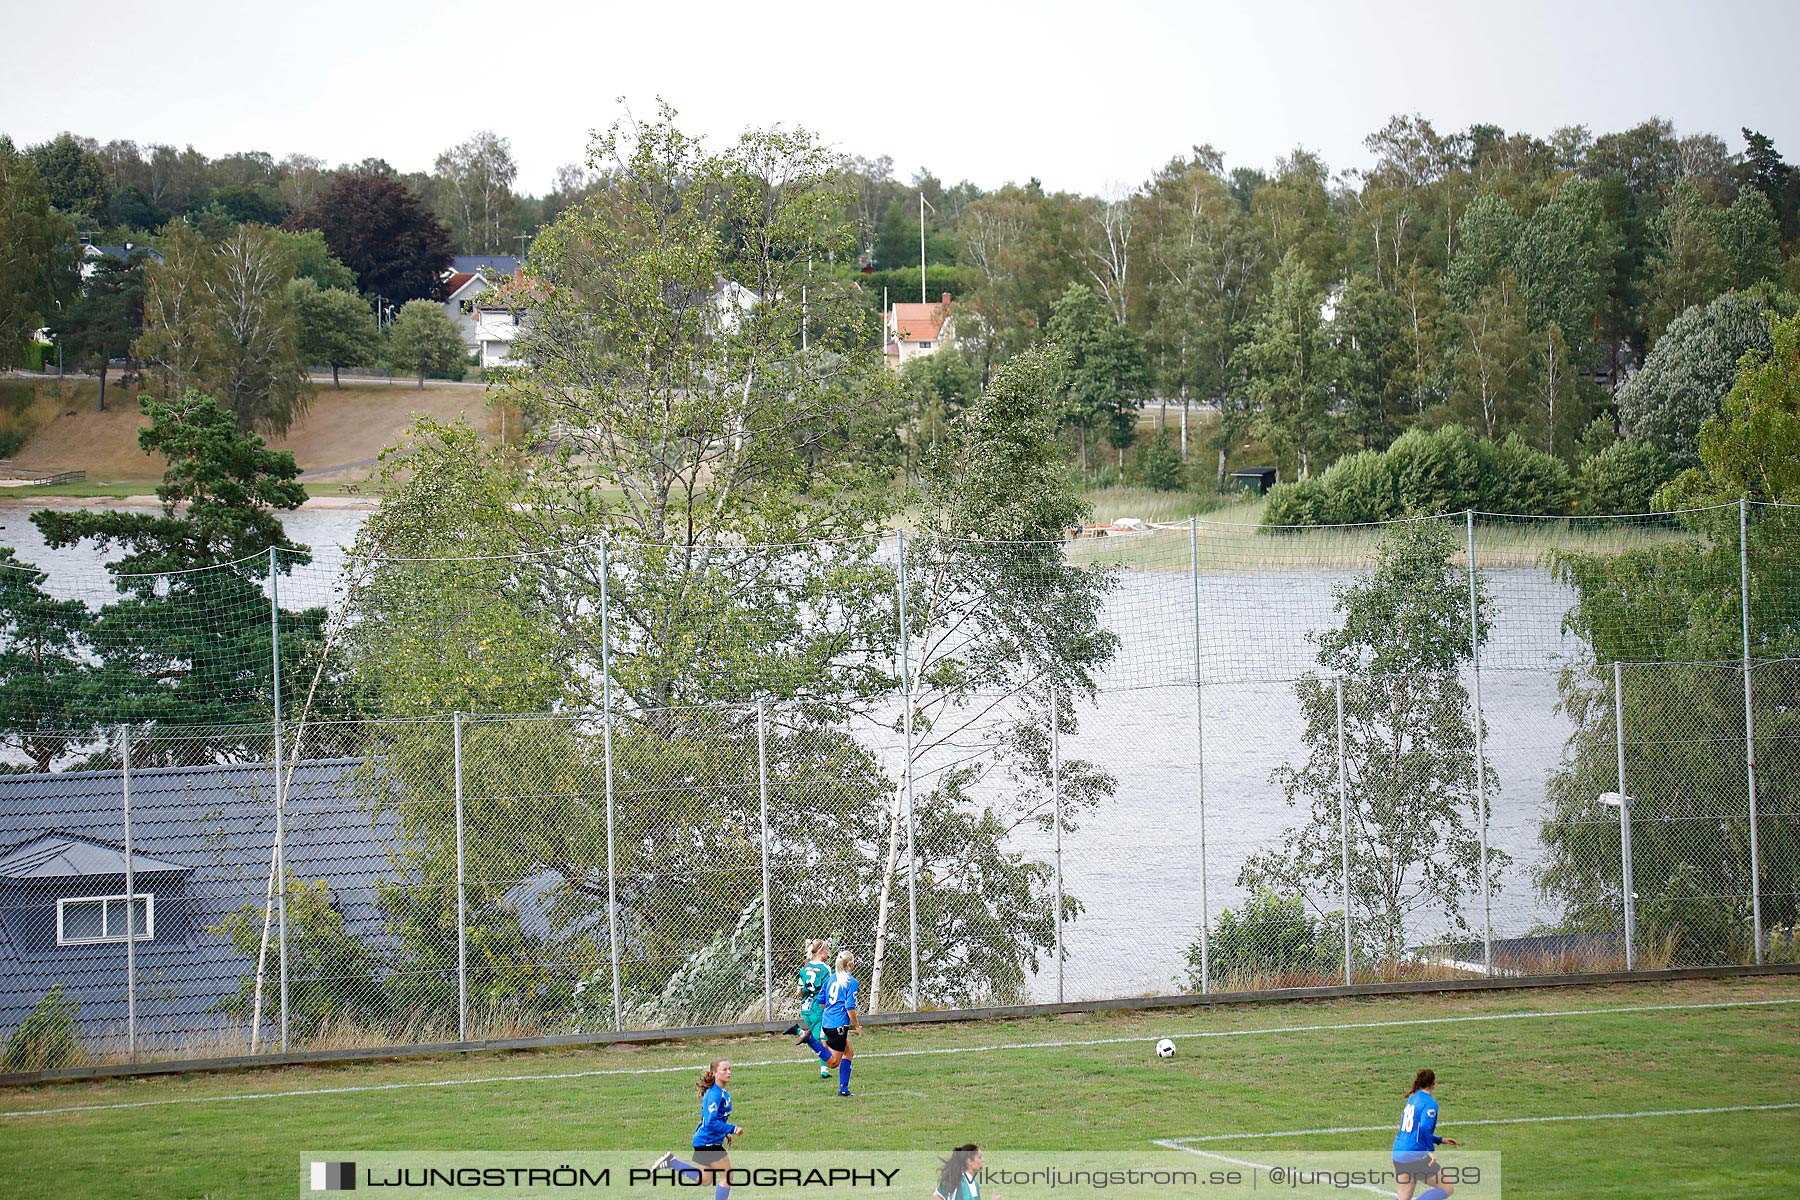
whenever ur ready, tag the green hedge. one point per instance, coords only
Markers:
(1443, 470)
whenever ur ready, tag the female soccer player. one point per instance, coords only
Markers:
(712, 1163)
(813, 976)
(961, 1177)
(1414, 1160)
(840, 1018)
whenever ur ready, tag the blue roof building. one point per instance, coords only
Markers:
(201, 843)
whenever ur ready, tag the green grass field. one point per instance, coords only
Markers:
(1242, 1075)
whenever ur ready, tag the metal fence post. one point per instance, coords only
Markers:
(281, 887)
(462, 915)
(1057, 820)
(1756, 926)
(130, 898)
(912, 859)
(1481, 800)
(1624, 818)
(1200, 750)
(762, 787)
(612, 872)
(1344, 823)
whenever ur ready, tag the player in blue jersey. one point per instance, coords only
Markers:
(1415, 1157)
(840, 1018)
(712, 1162)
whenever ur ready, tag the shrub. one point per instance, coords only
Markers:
(48, 1037)
(11, 442)
(334, 977)
(1159, 464)
(1271, 935)
(1622, 478)
(1438, 471)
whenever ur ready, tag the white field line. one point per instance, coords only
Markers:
(920, 1095)
(1181, 1143)
(1173, 1144)
(868, 1054)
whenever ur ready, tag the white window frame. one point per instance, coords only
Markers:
(149, 934)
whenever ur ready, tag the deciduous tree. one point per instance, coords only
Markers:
(475, 195)
(74, 174)
(1411, 804)
(423, 338)
(1688, 373)
(378, 228)
(1107, 379)
(336, 327)
(34, 275)
(1289, 361)
(218, 319)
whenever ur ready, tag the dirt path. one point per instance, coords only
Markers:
(336, 441)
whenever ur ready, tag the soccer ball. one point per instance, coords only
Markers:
(1165, 1049)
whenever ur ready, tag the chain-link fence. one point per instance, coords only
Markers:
(1197, 758)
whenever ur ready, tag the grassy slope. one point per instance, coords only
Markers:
(342, 427)
(1114, 1097)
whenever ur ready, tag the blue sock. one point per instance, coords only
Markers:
(844, 1076)
(722, 1191)
(813, 1043)
(684, 1170)
(1436, 1193)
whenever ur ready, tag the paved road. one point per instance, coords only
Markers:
(411, 381)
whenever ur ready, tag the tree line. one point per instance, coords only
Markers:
(1510, 283)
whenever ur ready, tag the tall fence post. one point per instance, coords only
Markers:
(762, 787)
(1056, 818)
(1756, 925)
(1625, 880)
(1343, 772)
(606, 737)
(912, 860)
(1481, 798)
(130, 898)
(1200, 750)
(462, 912)
(281, 888)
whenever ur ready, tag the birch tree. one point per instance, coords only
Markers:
(217, 320)
(1409, 759)
(475, 195)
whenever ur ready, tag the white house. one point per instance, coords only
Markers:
(916, 330)
(487, 332)
(732, 302)
(91, 254)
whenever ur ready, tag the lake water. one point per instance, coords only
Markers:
(1136, 864)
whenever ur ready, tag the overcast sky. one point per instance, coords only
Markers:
(1083, 96)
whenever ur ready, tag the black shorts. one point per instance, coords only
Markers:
(708, 1156)
(838, 1039)
(1420, 1170)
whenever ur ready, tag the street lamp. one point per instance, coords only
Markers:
(1622, 802)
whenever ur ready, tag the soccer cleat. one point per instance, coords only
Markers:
(662, 1163)
(791, 1031)
(843, 1091)
(824, 1071)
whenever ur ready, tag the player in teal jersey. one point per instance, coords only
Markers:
(961, 1177)
(813, 977)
